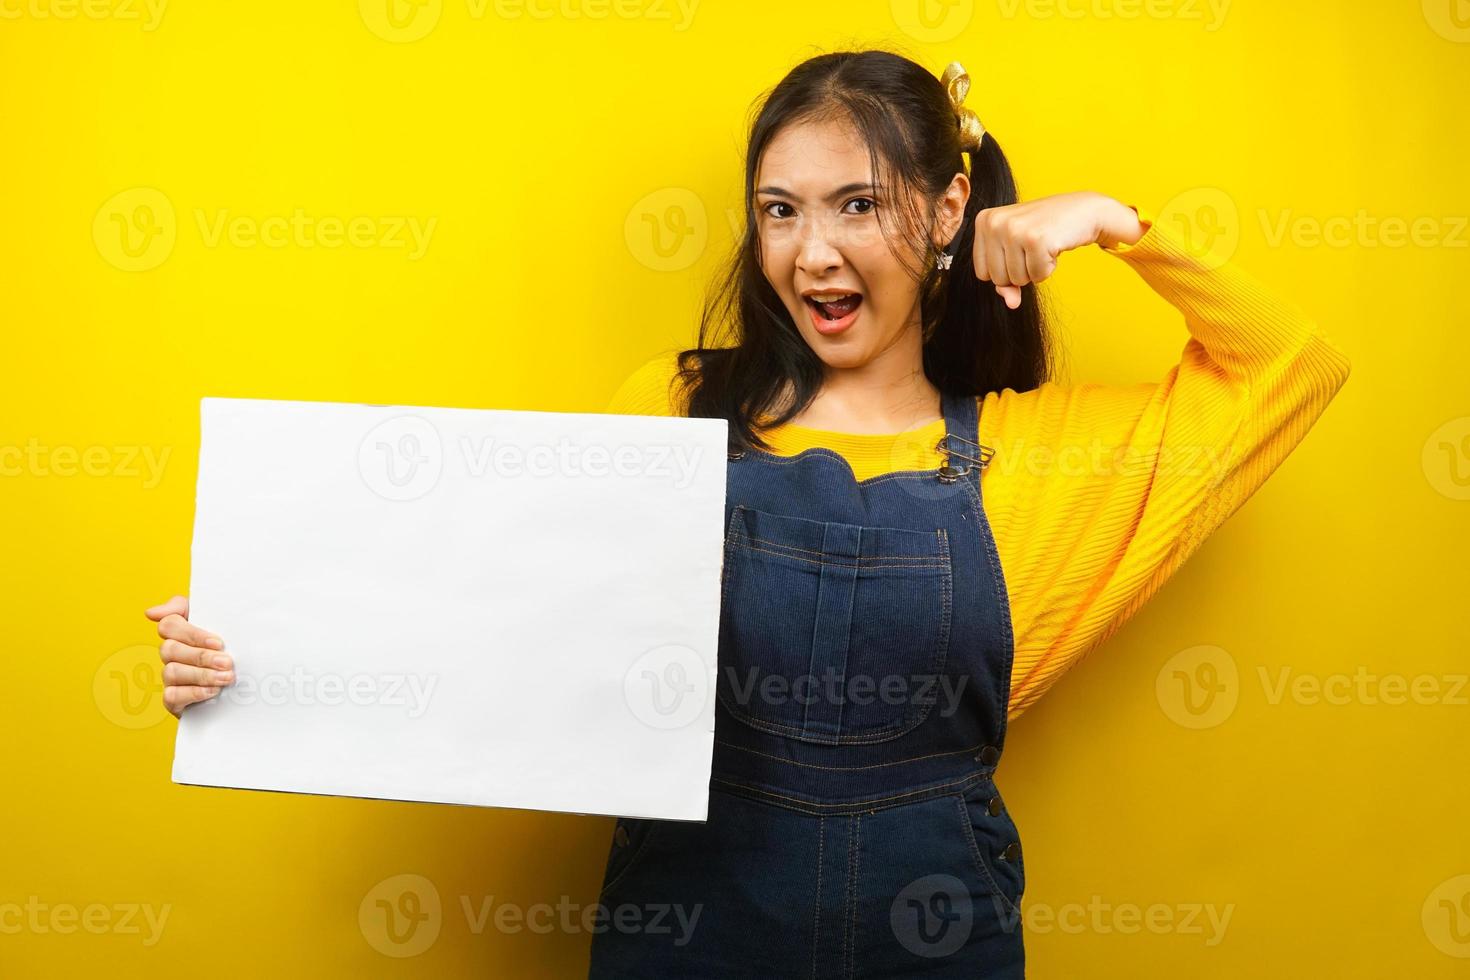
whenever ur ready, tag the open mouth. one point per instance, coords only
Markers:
(835, 306)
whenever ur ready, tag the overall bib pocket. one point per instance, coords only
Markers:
(832, 633)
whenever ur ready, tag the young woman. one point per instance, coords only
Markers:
(923, 532)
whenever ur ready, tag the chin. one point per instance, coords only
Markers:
(838, 354)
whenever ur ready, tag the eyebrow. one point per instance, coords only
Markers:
(839, 192)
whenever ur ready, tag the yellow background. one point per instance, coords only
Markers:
(547, 141)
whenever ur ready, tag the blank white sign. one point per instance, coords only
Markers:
(499, 608)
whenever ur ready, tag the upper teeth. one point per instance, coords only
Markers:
(828, 297)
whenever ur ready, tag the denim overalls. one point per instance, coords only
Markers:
(854, 826)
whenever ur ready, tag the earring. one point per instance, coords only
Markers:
(946, 256)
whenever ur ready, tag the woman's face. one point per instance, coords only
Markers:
(817, 223)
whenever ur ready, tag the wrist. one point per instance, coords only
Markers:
(1119, 224)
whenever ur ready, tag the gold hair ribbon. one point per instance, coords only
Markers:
(956, 82)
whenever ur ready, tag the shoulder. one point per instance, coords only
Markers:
(650, 389)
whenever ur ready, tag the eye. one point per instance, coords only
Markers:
(871, 204)
(775, 204)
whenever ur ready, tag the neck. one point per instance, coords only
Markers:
(888, 394)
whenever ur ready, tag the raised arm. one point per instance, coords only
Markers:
(1098, 493)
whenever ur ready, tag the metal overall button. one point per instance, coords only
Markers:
(989, 755)
(947, 472)
(993, 842)
(630, 849)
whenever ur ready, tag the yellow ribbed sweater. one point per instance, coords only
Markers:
(1098, 493)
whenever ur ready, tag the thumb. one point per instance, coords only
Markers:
(1011, 294)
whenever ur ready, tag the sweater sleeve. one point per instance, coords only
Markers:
(1098, 493)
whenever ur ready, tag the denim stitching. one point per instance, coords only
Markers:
(926, 474)
(815, 452)
(946, 614)
(1005, 812)
(854, 837)
(879, 561)
(777, 728)
(847, 637)
(913, 716)
(725, 562)
(1002, 596)
(822, 452)
(980, 864)
(926, 792)
(817, 904)
(876, 765)
(935, 533)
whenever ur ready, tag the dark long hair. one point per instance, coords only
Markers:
(749, 350)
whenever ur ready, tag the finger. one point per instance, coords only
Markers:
(178, 604)
(1016, 262)
(977, 253)
(182, 675)
(1040, 263)
(176, 627)
(995, 260)
(176, 699)
(1011, 294)
(176, 652)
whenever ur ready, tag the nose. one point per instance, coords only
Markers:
(817, 250)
